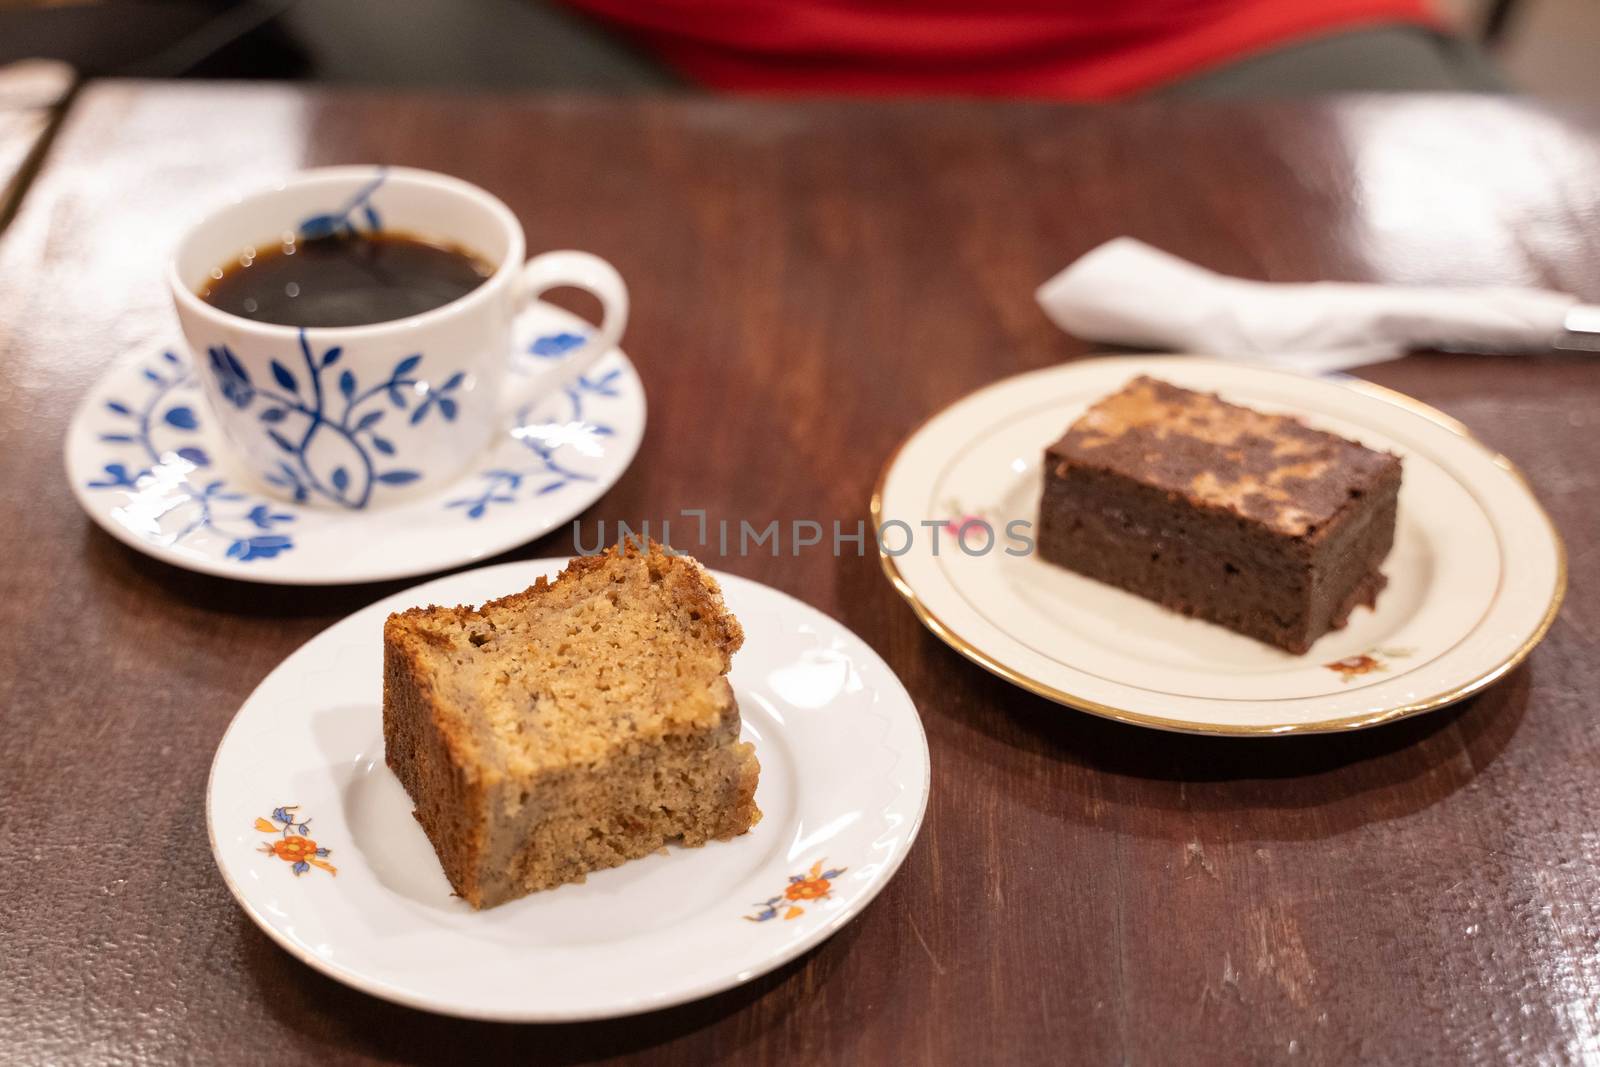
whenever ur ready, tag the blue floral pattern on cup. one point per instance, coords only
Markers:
(347, 220)
(163, 482)
(556, 345)
(328, 426)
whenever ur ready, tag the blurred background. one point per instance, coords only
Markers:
(1069, 50)
(988, 47)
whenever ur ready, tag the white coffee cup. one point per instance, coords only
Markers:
(358, 416)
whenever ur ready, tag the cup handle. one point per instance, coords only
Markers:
(579, 270)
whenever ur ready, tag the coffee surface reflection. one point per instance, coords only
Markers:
(343, 280)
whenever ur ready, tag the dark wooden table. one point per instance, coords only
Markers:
(30, 97)
(810, 280)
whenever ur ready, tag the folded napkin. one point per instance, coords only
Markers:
(1126, 292)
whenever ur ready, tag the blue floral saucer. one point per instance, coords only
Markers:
(148, 466)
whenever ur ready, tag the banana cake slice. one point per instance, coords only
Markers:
(574, 726)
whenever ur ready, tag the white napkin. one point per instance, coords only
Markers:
(1126, 292)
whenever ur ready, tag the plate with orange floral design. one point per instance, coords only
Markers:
(315, 837)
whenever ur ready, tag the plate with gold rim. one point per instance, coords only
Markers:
(1476, 574)
(314, 835)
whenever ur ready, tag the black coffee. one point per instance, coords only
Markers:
(344, 281)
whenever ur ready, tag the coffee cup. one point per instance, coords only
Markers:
(360, 416)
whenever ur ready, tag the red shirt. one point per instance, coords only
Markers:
(1067, 49)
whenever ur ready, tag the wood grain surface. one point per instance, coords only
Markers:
(31, 93)
(810, 280)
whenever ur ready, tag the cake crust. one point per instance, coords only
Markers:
(570, 727)
(1253, 521)
(1271, 469)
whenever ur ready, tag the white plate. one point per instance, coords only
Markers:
(148, 466)
(844, 782)
(1475, 577)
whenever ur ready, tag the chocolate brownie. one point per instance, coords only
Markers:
(1255, 522)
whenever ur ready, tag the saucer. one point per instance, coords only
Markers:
(1476, 574)
(147, 464)
(314, 835)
